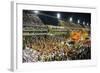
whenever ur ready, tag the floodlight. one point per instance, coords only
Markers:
(58, 15)
(83, 22)
(70, 19)
(78, 21)
(36, 12)
(87, 24)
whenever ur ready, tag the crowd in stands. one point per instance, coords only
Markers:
(54, 48)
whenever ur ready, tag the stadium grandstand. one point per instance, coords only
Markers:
(48, 36)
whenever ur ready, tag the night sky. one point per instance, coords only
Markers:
(50, 17)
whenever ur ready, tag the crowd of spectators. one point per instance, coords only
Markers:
(55, 48)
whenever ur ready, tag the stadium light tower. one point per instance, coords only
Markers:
(36, 12)
(78, 21)
(70, 19)
(58, 15)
